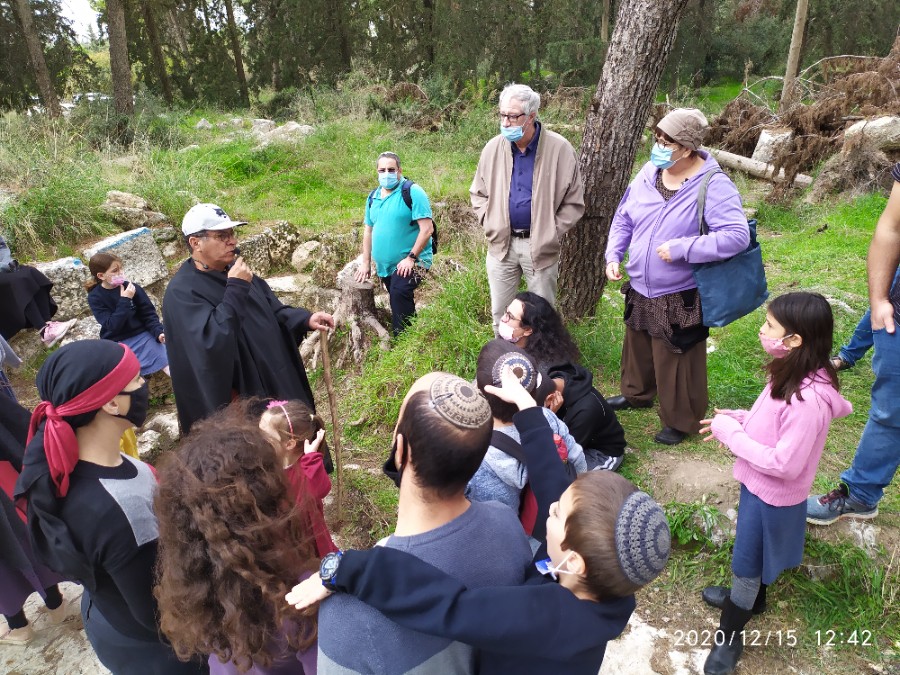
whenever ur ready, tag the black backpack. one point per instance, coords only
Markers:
(405, 189)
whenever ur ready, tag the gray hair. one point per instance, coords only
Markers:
(524, 94)
(389, 155)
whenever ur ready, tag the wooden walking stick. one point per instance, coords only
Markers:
(335, 422)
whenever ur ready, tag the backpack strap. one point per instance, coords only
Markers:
(372, 196)
(701, 200)
(508, 445)
(405, 192)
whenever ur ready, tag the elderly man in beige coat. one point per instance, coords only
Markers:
(527, 192)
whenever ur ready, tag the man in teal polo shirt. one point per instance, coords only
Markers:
(398, 237)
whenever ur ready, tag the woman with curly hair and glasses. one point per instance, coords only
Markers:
(531, 323)
(232, 542)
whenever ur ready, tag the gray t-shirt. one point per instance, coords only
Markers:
(485, 546)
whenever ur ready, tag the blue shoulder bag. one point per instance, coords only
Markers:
(732, 288)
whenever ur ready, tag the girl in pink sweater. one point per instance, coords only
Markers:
(778, 444)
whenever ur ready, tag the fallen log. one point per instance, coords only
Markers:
(755, 168)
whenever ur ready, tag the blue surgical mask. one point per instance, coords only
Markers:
(388, 180)
(661, 156)
(512, 134)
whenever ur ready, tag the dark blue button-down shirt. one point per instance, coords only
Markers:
(521, 181)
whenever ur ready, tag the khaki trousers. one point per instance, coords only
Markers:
(505, 275)
(650, 368)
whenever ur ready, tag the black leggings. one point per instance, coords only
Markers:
(52, 598)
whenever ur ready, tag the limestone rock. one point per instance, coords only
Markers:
(203, 124)
(305, 255)
(130, 211)
(140, 255)
(270, 248)
(126, 199)
(261, 126)
(237, 122)
(770, 142)
(880, 133)
(167, 233)
(290, 132)
(85, 328)
(299, 291)
(255, 252)
(27, 344)
(166, 424)
(68, 276)
(171, 249)
(149, 443)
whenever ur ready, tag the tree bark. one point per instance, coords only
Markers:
(36, 58)
(119, 64)
(428, 35)
(793, 63)
(338, 23)
(236, 50)
(643, 37)
(159, 60)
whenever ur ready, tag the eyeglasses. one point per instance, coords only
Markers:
(660, 140)
(221, 235)
(507, 317)
(509, 117)
(391, 170)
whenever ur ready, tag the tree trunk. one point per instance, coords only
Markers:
(119, 64)
(159, 60)
(338, 23)
(36, 58)
(604, 22)
(236, 50)
(428, 36)
(644, 34)
(788, 92)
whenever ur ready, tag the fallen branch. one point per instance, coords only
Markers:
(756, 168)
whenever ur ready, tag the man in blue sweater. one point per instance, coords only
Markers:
(442, 433)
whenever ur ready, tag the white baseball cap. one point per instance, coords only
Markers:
(202, 217)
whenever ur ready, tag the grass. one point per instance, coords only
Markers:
(321, 185)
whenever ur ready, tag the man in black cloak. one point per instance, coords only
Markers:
(227, 335)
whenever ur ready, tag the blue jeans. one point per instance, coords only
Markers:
(861, 342)
(878, 452)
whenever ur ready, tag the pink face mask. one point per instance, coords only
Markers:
(117, 280)
(775, 346)
(505, 331)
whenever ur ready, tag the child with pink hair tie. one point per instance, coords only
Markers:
(299, 435)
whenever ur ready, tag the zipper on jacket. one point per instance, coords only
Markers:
(652, 235)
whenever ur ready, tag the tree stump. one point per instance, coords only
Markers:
(356, 310)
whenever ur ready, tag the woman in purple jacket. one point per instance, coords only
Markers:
(664, 350)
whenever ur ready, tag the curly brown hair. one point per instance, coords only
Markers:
(232, 543)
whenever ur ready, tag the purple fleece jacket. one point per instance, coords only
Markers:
(644, 221)
(778, 446)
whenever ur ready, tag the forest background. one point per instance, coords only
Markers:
(422, 78)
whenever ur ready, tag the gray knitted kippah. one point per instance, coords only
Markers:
(643, 540)
(459, 402)
(521, 367)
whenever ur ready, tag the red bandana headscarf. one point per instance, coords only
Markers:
(60, 444)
